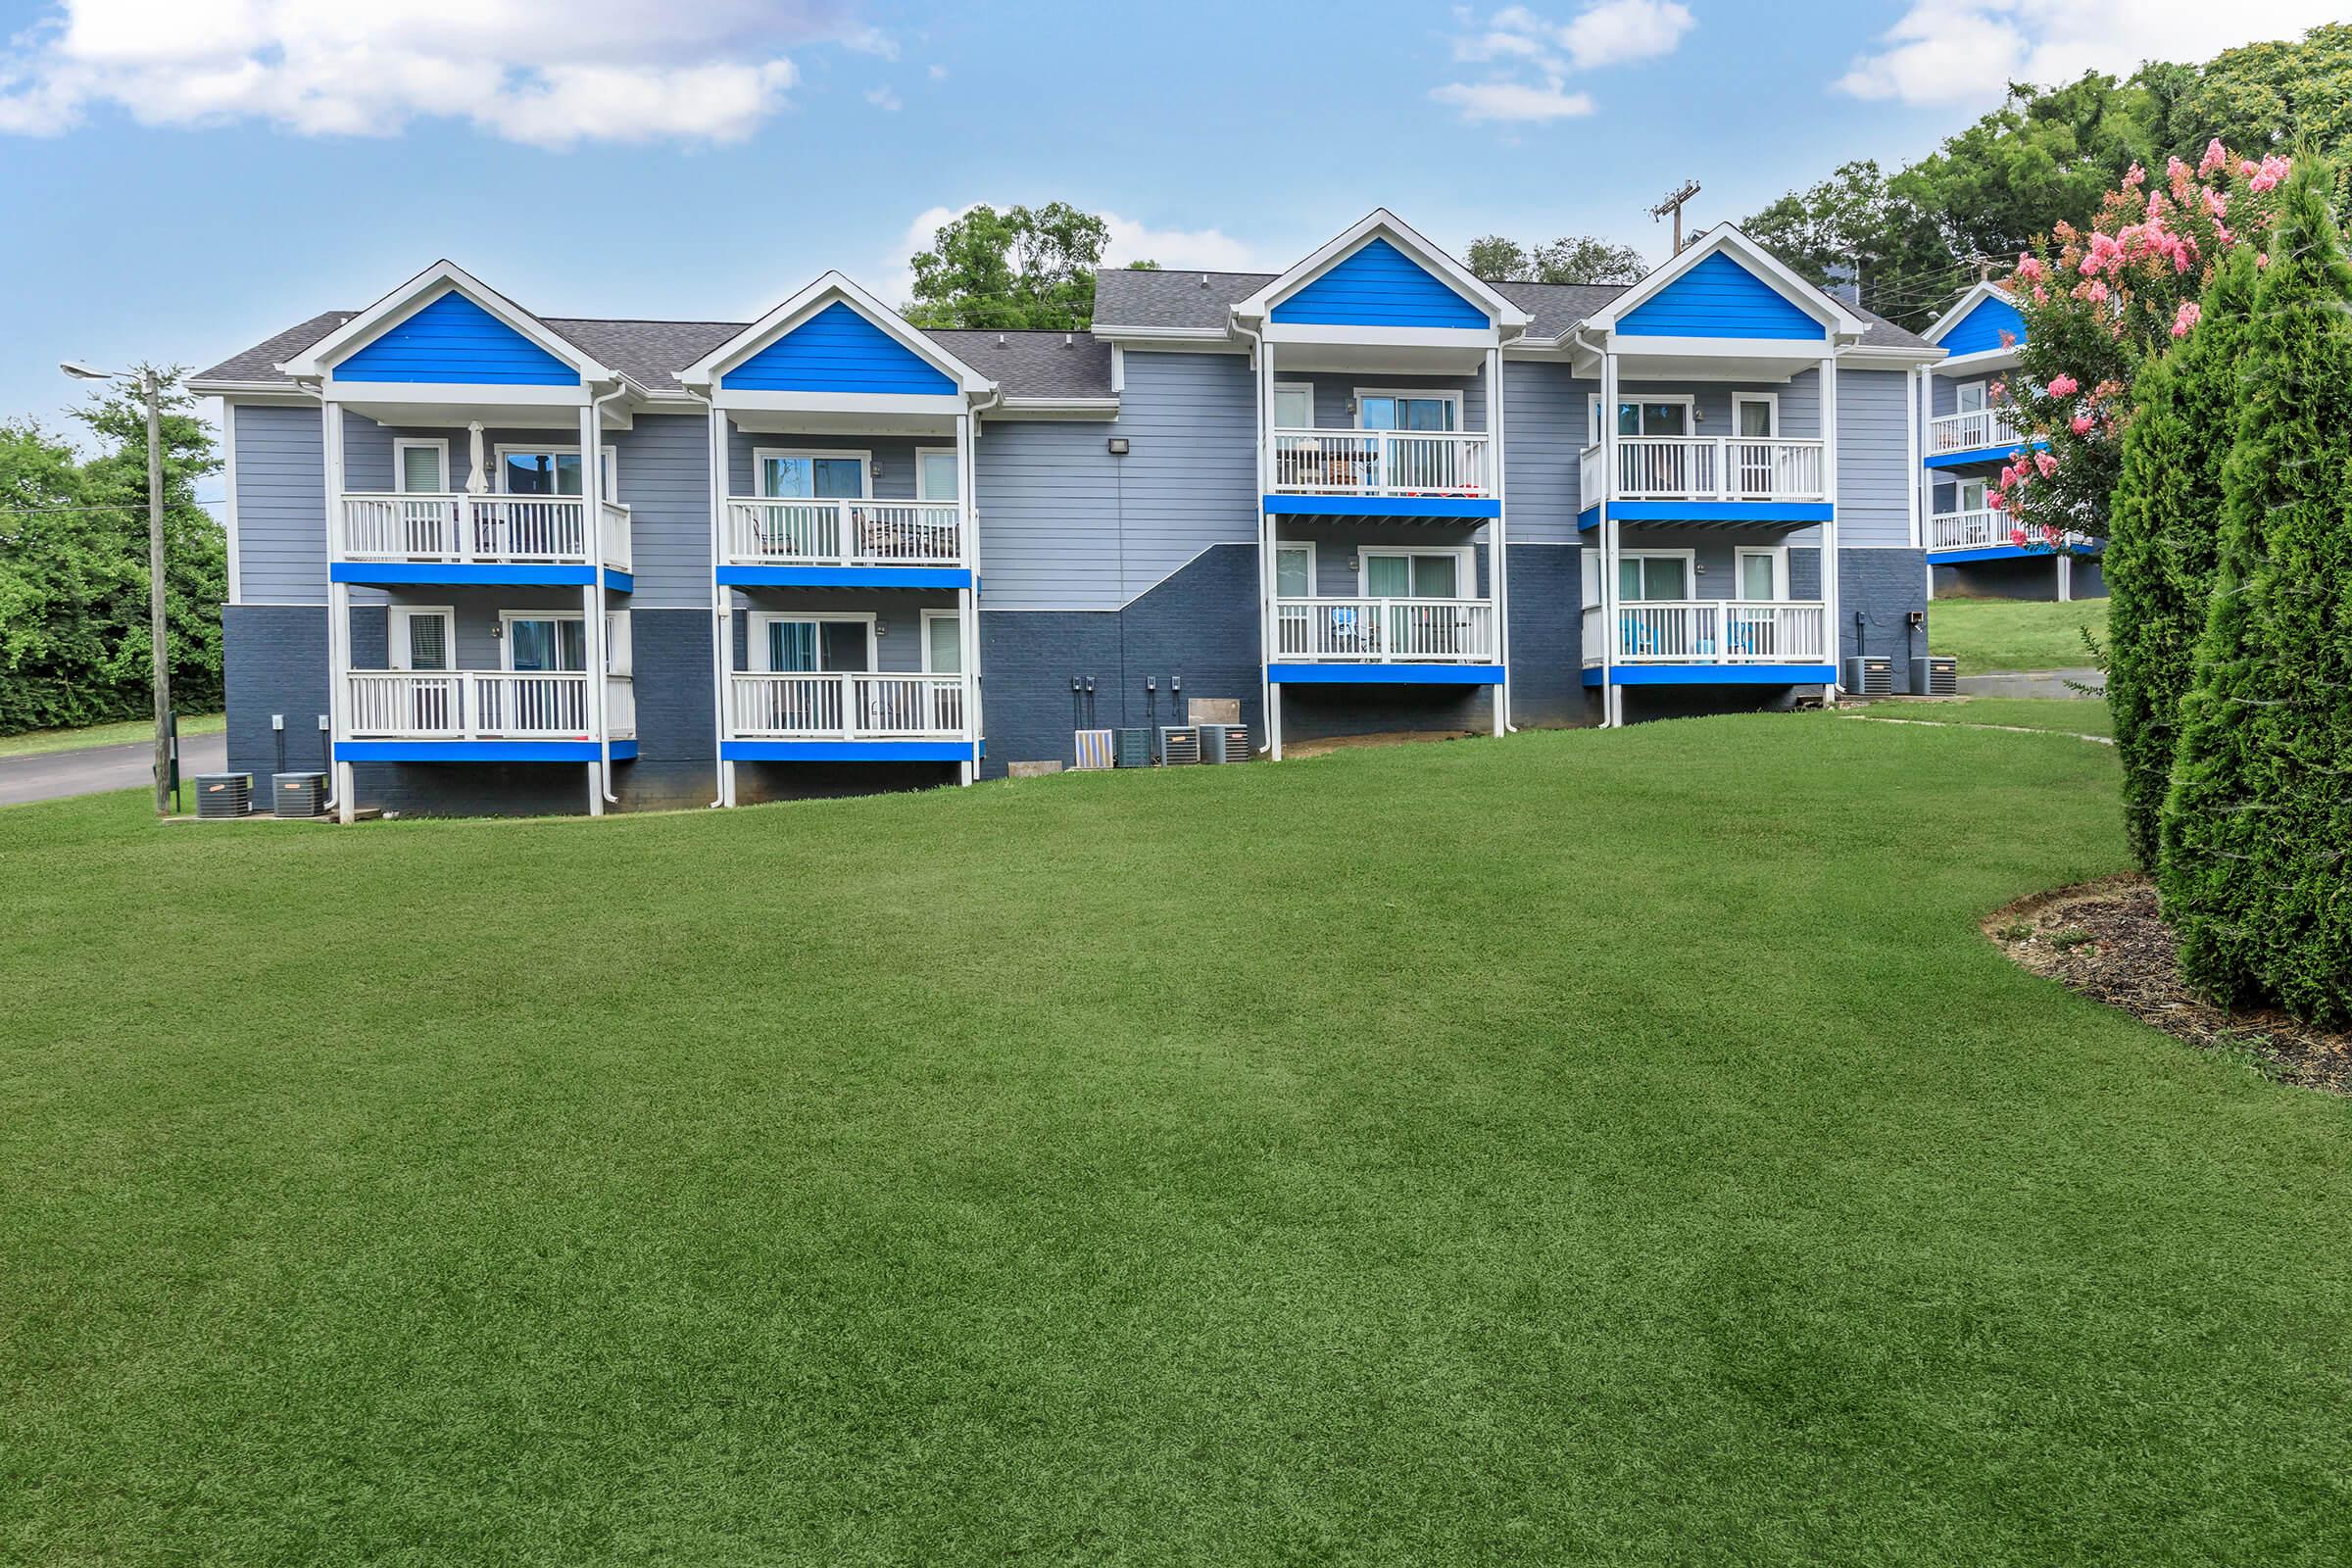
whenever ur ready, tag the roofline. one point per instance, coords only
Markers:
(707, 371)
(1977, 294)
(1505, 314)
(1807, 298)
(405, 301)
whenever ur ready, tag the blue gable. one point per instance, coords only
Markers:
(1379, 286)
(837, 350)
(1720, 298)
(454, 339)
(1980, 331)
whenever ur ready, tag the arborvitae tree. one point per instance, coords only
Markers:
(2257, 868)
(2166, 521)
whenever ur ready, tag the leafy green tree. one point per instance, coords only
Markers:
(2042, 159)
(73, 586)
(1854, 220)
(1569, 258)
(1021, 268)
(2262, 97)
(2165, 529)
(2257, 861)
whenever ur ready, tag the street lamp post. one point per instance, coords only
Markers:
(157, 633)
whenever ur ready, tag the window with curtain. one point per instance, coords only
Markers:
(943, 645)
(1653, 577)
(547, 642)
(1386, 412)
(1414, 577)
(420, 470)
(812, 479)
(808, 647)
(1754, 417)
(935, 477)
(1294, 408)
(1759, 575)
(1294, 571)
(426, 639)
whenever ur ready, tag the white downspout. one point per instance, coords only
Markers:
(1261, 371)
(592, 481)
(715, 456)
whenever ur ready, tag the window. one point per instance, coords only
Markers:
(1972, 495)
(935, 474)
(1653, 576)
(813, 644)
(548, 472)
(1759, 573)
(809, 476)
(1969, 397)
(1295, 571)
(1754, 415)
(1294, 406)
(942, 643)
(1406, 411)
(1655, 416)
(537, 641)
(421, 467)
(423, 637)
(1414, 574)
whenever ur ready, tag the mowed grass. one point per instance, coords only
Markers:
(1990, 635)
(2071, 715)
(36, 742)
(1577, 1148)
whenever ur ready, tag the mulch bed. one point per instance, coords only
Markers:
(2105, 940)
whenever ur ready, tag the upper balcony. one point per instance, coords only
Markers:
(1707, 478)
(782, 542)
(1974, 435)
(1381, 463)
(453, 537)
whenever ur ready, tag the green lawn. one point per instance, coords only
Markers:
(2073, 715)
(1583, 1147)
(1998, 634)
(35, 741)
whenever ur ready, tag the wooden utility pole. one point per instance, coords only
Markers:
(1673, 205)
(158, 631)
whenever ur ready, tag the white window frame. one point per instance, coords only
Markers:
(1778, 555)
(400, 464)
(1442, 394)
(1690, 407)
(759, 620)
(1689, 561)
(1960, 489)
(1314, 564)
(398, 651)
(620, 646)
(923, 469)
(611, 466)
(1983, 387)
(929, 617)
(1771, 401)
(865, 468)
(1307, 387)
(1465, 575)
(508, 617)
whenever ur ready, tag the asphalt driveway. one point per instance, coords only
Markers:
(94, 769)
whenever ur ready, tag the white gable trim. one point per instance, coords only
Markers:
(1968, 302)
(1724, 237)
(1381, 223)
(440, 278)
(832, 287)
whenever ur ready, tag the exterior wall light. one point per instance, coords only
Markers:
(1118, 446)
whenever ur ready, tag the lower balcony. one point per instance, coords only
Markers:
(1984, 534)
(400, 715)
(1710, 642)
(847, 716)
(1449, 641)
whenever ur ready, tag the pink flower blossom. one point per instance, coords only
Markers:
(2045, 463)
(2215, 157)
(2217, 202)
(2028, 268)
(2093, 290)
(2189, 314)
(2177, 174)
(2017, 537)
(2064, 386)
(1997, 502)
(2080, 424)
(2134, 176)
(2008, 338)
(2262, 261)
(2042, 296)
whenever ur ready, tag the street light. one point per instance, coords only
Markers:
(156, 633)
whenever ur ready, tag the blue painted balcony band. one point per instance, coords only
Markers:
(846, 576)
(1385, 674)
(485, 751)
(1714, 675)
(849, 750)
(1355, 506)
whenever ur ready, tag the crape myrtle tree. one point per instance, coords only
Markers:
(2165, 522)
(2097, 304)
(2257, 859)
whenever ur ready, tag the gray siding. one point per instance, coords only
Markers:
(1543, 416)
(1715, 556)
(898, 618)
(1064, 526)
(1875, 477)
(664, 475)
(282, 506)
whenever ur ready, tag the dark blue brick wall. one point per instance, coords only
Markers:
(1547, 649)
(274, 659)
(1885, 587)
(2032, 577)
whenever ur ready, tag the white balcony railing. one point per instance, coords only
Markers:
(461, 529)
(1380, 462)
(1966, 432)
(847, 707)
(1982, 528)
(1710, 631)
(768, 532)
(1384, 631)
(484, 705)
(1674, 467)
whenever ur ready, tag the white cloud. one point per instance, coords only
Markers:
(939, 72)
(884, 98)
(596, 71)
(1967, 51)
(1533, 56)
(1208, 250)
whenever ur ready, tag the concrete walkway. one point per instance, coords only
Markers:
(95, 769)
(2030, 683)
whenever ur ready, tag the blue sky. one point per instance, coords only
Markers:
(190, 179)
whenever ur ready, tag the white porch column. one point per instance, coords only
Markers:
(1610, 710)
(1829, 530)
(967, 600)
(2066, 576)
(1500, 548)
(1269, 621)
(592, 597)
(722, 607)
(338, 615)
